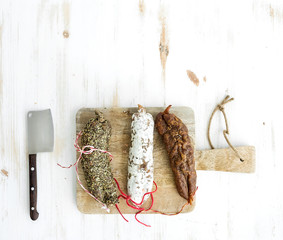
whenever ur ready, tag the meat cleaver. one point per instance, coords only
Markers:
(40, 139)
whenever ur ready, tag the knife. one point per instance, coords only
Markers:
(40, 139)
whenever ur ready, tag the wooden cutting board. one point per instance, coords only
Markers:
(166, 199)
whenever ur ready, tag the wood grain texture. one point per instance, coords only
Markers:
(225, 160)
(113, 53)
(166, 199)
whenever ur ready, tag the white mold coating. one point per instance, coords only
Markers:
(140, 163)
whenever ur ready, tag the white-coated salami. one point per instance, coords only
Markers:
(140, 163)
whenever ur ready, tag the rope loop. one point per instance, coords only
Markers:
(220, 107)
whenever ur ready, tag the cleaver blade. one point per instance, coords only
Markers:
(40, 131)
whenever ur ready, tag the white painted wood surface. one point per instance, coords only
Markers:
(109, 56)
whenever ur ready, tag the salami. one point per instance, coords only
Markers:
(96, 166)
(180, 151)
(140, 162)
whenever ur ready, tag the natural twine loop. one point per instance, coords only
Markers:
(220, 107)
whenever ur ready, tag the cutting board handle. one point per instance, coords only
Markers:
(226, 160)
(33, 187)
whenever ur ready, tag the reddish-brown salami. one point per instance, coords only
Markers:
(180, 151)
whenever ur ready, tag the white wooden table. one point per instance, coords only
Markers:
(65, 55)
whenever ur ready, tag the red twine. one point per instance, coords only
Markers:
(131, 203)
(82, 151)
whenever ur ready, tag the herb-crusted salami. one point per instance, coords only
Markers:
(140, 163)
(180, 150)
(96, 166)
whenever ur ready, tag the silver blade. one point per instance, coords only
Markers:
(40, 131)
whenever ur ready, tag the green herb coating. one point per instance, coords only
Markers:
(96, 166)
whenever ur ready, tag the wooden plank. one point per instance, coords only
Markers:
(166, 199)
(112, 57)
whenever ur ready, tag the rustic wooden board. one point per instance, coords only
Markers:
(166, 199)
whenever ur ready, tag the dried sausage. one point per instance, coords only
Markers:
(140, 163)
(180, 151)
(96, 166)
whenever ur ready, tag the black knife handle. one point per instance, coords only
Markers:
(33, 187)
